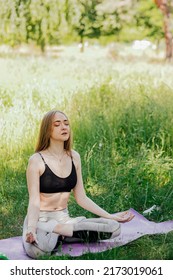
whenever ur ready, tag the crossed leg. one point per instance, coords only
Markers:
(88, 227)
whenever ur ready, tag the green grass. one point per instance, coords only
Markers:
(122, 120)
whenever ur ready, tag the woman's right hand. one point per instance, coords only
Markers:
(125, 216)
(31, 237)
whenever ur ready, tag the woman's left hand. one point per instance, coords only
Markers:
(123, 217)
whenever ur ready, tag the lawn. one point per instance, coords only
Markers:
(121, 112)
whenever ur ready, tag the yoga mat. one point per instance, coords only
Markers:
(137, 227)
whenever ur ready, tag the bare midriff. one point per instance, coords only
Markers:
(53, 201)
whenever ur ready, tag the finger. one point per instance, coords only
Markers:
(32, 240)
(131, 217)
(29, 240)
(30, 237)
(27, 237)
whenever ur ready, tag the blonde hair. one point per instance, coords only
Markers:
(45, 133)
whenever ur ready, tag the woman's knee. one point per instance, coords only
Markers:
(32, 251)
(113, 225)
(46, 242)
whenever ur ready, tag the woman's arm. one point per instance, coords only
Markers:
(88, 204)
(32, 175)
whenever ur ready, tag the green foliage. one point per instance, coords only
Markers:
(57, 21)
(121, 116)
(115, 15)
(85, 21)
(150, 19)
(31, 21)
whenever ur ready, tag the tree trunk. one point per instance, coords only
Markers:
(163, 6)
(81, 44)
(168, 39)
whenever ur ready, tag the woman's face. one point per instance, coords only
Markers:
(60, 127)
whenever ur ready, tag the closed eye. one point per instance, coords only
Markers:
(57, 123)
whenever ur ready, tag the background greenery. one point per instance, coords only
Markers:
(118, 98)
(121, 117)
(52, 22)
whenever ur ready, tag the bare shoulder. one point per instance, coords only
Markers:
(34, 160)
(76, 158)
(75, 155)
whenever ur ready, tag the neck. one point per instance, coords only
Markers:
(57, 152)
(57, 149)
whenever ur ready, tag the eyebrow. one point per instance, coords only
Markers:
(60, 121)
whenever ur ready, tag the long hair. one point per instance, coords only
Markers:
(45, 133)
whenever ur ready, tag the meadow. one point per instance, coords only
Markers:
(121, 113)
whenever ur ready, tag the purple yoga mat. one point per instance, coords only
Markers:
(137, 227)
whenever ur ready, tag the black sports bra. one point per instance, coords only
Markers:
(51, 183)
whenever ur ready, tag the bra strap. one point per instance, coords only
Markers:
(42, 158)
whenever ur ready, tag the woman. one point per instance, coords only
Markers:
(52, 173)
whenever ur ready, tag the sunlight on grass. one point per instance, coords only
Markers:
(121, 115)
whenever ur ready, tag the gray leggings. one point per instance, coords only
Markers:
(84, 230)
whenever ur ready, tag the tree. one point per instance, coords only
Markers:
(30, 21)
(43, 21)
(149, 19)
(85, 20)
(115, 15)
(166, 7)
(12, 22)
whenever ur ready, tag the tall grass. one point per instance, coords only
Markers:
(121, 118)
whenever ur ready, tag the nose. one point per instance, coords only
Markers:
(63, 126)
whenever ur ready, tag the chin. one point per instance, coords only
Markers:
(65, 137)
